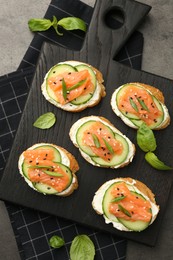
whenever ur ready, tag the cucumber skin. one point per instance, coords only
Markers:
(131, 226)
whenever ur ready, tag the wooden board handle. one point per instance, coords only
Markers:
(101, 39)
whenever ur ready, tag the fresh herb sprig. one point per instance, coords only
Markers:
(147, 142)
(82, 247)
(67, 23)
(45, 121)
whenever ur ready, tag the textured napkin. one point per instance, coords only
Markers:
(32, 228)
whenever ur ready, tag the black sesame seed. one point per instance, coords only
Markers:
(37, 163)
(137, 197)
(30, 161)
(46, 154)
(44, 159)
(126, 112)
(48, 188)
(69, 73)
(51, 178)
(54, 71)
(109, 159)
(85, 88)
(60, 80)
(104, 154)
(54, 83)
(118, 189)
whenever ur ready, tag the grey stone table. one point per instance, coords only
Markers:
(157, 58)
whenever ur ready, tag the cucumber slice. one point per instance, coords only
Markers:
(59, 69)
(131, 225)
(57, 158)
(43, 188)
(137, 225)
(79, 137)
(116, 159)
(57, 155)
(137, 121)
(54, 71)
(85, 98)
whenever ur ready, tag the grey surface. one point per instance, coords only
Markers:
(157, 29)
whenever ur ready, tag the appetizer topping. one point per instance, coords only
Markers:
(68, 86)
(101, 141)
(129, 205)
(42, 166)
(139, 102)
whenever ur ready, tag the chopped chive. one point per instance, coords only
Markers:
(80, 83)
(132, 103)
(108, 146)
(64, 89)
(118, 199)
(143, 105)
(96, 140)
(125, 211)
(56, 174)
(39, 166)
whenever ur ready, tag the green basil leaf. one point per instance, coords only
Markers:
(118, 199)
(82, 248)
(109, 147)
(146, 139)
(56, 242)
(64, 89)
(125, 211)
(72, 23)
(56, 174)
(153, 160)
(143, 105)
(80, 83)
(133, 104)
(39, 24)
(96, 140)
(45, 121)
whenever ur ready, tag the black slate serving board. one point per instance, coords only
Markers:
(100, 46)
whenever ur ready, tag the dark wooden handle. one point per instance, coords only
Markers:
(101, 39)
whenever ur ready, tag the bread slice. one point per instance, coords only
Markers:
(63, 158)
(160, 122)
(94, 98)
(116, 160)
(138, 188)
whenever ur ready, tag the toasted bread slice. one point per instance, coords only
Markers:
(105, 145)
(54, 175)
(67, 100)
(103, 197)
(136, 103)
